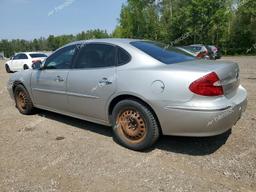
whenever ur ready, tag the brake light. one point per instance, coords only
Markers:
(206, 85)
(34, 61)
(201, 55)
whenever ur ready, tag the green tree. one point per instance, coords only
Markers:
(243, 28)
(138, 19)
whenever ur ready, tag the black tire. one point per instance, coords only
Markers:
(140, 135)
(25, 67)
(7, 68)
(23, 101)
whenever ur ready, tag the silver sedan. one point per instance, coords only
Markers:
(140, 88)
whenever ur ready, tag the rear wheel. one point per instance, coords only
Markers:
(23, 100)
(134, 125)
(25, 67)
(7, 68)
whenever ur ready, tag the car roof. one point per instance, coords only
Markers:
(109, 40)
(198, 45)
(29, 53)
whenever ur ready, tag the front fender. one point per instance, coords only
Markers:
(23, 78)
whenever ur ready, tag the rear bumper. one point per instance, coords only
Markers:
(203, 122)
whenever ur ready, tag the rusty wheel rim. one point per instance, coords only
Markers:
(21, 100)
(132, 125)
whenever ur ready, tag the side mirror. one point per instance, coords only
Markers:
(37, 65)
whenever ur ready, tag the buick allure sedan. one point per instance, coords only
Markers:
(140, 88)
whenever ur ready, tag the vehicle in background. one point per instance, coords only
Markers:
(23, 61)
(201, 54)
(187, 50)
(2, 56)
(140, 88)
(216, 51)
(192, 52)
(203, 51)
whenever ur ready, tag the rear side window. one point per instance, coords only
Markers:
(37, 55)
(123, 56)
(96, 55)
(162, 53)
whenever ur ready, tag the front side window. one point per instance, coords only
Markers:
(23, 56)
(96, 55)
(163, 53)
(16, 57)
(61, 59)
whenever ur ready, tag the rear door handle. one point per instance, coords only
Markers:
(59, 79)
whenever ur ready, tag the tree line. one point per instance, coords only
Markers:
(9, 47)
(229, 24)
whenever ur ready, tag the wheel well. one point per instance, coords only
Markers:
(131, 97)
(15, 84)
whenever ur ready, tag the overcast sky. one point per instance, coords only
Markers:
(28, 19)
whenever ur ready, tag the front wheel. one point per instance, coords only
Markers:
(25, 67)
(23, 100)
(134, 125)
(7, 68)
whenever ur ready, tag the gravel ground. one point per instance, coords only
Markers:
(50, 152)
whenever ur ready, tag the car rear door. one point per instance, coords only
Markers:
(23, 60)
(92, 81)
(49, 84)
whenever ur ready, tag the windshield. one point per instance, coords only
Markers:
(163, 53)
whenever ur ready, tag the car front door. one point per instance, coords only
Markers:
(49, 83)
(92, 81)
(14, 62)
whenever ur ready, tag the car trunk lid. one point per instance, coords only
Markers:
(228, 72)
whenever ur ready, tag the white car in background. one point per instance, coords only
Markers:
(23, 61)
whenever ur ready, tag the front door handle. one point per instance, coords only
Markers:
(59, 79)
(104, 81)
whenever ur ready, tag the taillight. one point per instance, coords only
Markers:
(201, 55)
(34, 61)
(206, 85)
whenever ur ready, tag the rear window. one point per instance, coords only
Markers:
(196, 48)
(37, 55)
(189, 48)
(163, 53)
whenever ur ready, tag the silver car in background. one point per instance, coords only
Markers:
(140, 88)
